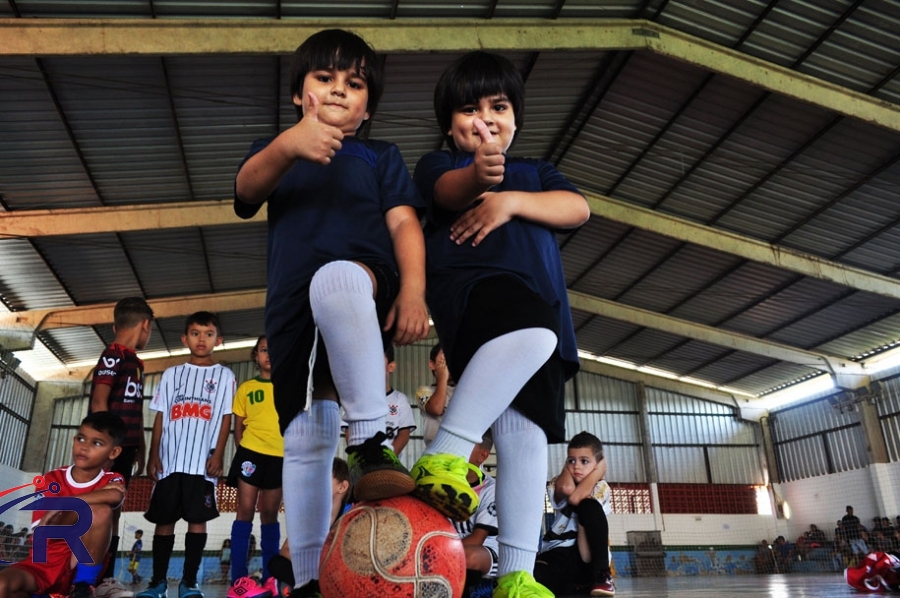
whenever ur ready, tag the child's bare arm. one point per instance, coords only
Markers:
(585, 487)
(437, 404)
(456, 189)
(554, 209)
(112, 494)
(564, 486)
(308, 140)
(100, 397)
(400, 440)
(408, 313)
(154, 465)
(214, 463)
(238, 429)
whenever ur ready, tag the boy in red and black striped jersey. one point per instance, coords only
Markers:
(117, 386)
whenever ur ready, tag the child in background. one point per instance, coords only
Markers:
(280, 565)
(256, 472)
(346, 268)
(433, 400)
(498, 296)
(225, 559)
(479, 533)
(134, 556)
(193, 419)
(96, 442)
(400, 421)
(118, 386)
(575, 551)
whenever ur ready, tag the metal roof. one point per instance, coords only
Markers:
(775, 123)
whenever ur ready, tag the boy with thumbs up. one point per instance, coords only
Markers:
(346, 274)
(497, 293)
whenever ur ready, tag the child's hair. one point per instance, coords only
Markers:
(131, 311)
(487, 440)
(140, 531)
(341, 50)
(340, 470)
(203, 318)
(477, 75)
(108, 423)
(255, 350)
(389, 352)
(434, 352)
(587, 440)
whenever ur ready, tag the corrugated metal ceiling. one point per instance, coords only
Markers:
(636, 126)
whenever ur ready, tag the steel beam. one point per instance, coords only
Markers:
(841, 367)
(117, 219)
(746, 247)
(159, 37)
(101, 313)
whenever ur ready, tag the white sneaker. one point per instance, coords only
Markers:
(111, 588)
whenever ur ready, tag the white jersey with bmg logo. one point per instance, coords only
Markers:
(193, 400)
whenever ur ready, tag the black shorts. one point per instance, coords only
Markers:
(124, 463)
(256, 469)
(290, 381)
(182, 496)
(503, 304)
(561, 570)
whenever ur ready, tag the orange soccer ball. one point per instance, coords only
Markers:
(397, 547)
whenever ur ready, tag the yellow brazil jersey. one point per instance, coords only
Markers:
(255, 402)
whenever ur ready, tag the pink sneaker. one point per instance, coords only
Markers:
(247, 587)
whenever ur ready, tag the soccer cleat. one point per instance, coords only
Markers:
(246, 587)
(157, 590)
(189, 590)
(277, 588)
(520, 584)
(111, 588)
(310, 590)
(441, 482)
(81, 589)
(604, 588)
(375, 471)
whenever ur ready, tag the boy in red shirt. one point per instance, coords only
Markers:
(96, 442)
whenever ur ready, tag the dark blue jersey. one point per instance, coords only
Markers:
(323, 213)
(521, 248)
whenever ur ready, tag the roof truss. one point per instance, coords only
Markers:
(161, 37)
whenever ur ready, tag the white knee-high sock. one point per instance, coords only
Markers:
(493, 378)
(521, 484)
(340, 296)
(310, 443)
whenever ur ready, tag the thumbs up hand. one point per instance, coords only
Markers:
(315, 141)
(489, 158)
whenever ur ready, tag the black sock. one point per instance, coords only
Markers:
(596, 527)
(111, 567)
(194, 544)
(162, 552)
(280, 568)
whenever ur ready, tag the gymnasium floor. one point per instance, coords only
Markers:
(736, 586)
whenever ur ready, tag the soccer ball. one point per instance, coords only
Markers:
(398, 547)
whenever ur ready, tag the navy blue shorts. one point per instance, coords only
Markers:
(290, 381)
(500, 305)
(256, 469)
(182, 496)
